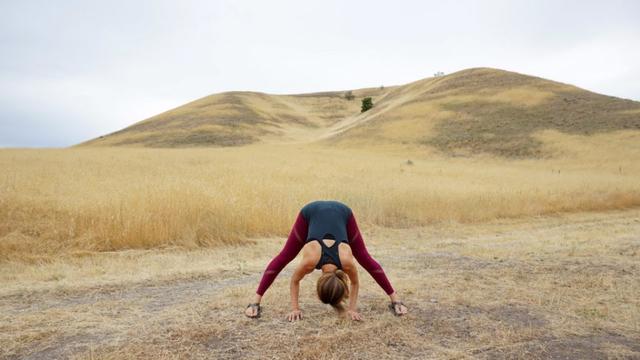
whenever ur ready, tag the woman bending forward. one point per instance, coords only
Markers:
(328, 235)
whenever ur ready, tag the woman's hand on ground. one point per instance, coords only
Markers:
(354, 315)
(295, 315)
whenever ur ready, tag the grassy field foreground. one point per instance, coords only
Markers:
(141, 253)
(83, 200)
(561, 287)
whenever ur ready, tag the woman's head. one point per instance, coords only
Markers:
(333, 288)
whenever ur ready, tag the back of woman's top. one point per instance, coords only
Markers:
(329, 254)
(327, 219)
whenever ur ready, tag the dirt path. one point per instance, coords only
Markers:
(557, 287)
(148, 300)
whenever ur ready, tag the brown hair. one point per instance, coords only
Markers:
(333, 288)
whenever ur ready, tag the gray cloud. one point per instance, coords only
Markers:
(72, 70)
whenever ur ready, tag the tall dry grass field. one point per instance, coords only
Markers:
(87, 199)
(521, 256)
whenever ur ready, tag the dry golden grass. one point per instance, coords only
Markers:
(86, 199)
(537, 288)
(508, 282)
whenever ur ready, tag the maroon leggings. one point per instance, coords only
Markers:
(296, 241)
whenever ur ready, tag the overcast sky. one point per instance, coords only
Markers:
(73, 70)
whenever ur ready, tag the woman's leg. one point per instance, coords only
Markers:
(292, 247)
(361, 254)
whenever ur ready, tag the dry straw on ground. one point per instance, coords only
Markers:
(560, 287)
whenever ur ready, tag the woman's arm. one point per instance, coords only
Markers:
(301, 270)
(353, 292)
(351, 270)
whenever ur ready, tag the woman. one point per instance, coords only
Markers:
(338, 242)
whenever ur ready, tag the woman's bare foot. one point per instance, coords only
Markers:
(396, 305)
(253, 310)
(399, 308)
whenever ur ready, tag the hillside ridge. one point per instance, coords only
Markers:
(476, 110)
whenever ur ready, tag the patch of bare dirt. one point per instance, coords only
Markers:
(451, 324)
(568, 347)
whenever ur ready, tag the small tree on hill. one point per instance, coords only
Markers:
(367, 104)
(349, 95)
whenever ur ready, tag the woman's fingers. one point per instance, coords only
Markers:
(355, 315)
(294, 315)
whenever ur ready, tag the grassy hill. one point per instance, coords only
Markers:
(478, 110)
(491, 111)
(240, 118)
